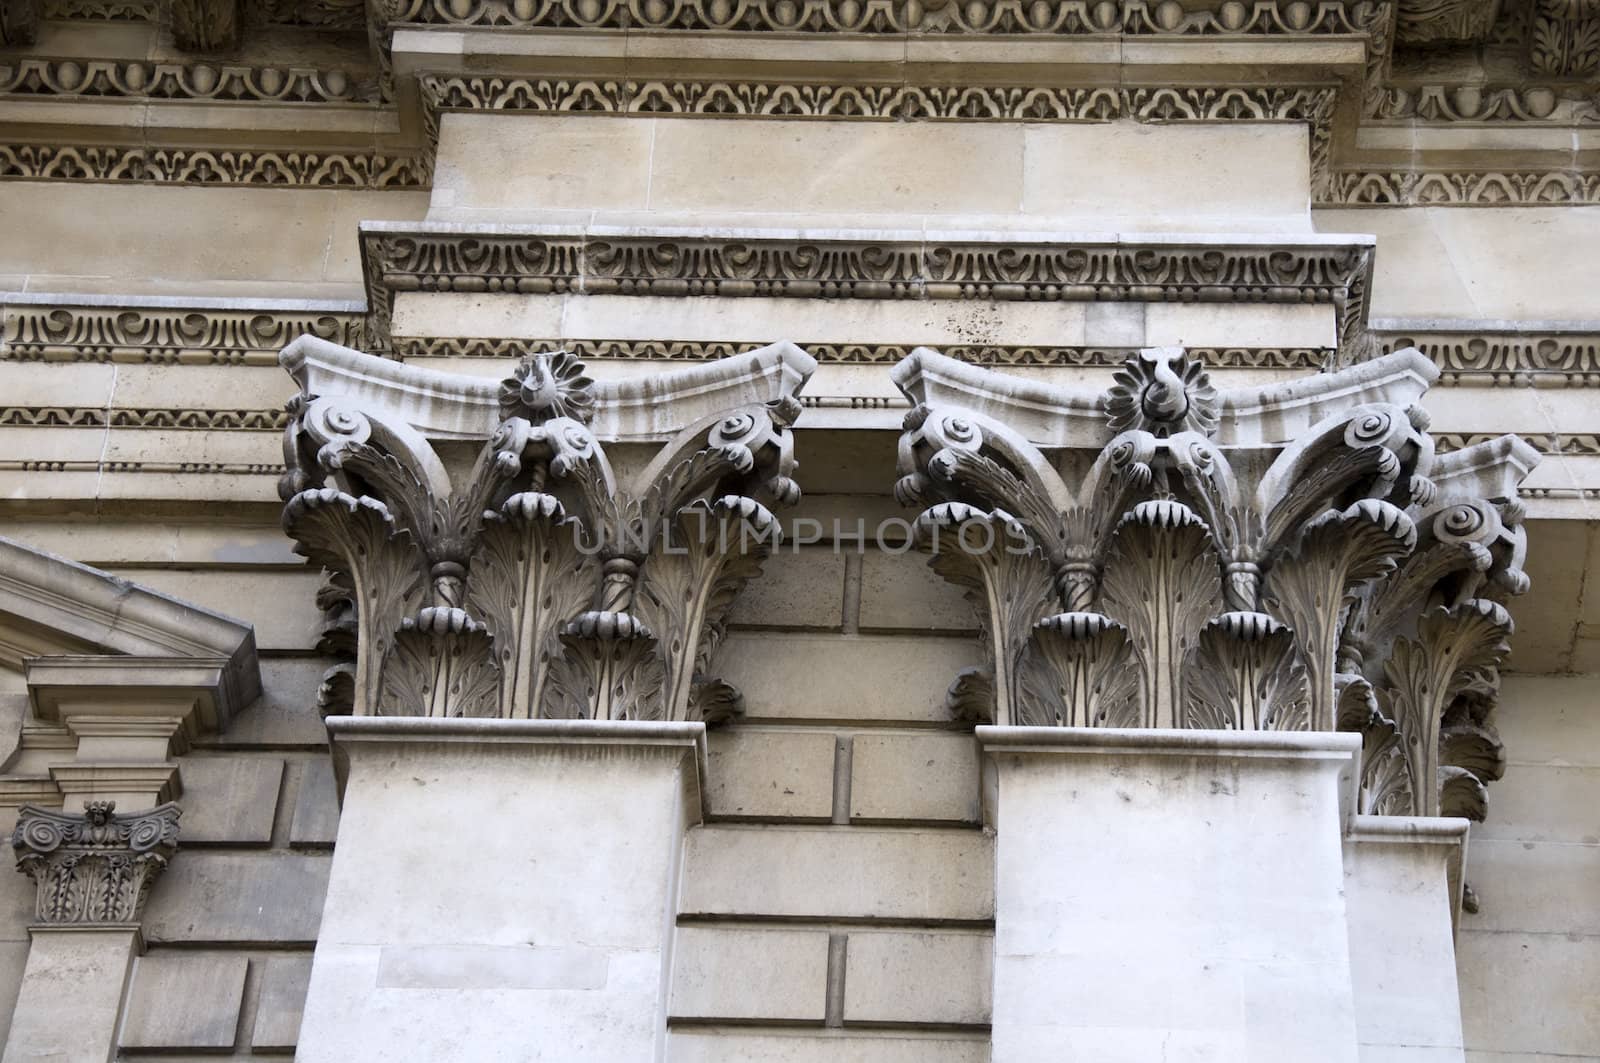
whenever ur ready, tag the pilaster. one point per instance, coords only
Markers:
(1177, 892)
(502, 887)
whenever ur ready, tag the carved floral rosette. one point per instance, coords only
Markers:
(538, 582)
(1166, 554)
(96, 868)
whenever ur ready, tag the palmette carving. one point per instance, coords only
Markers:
(539, 582)
(95, 868)
(1294, 557)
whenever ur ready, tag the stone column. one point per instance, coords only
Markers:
(502, 888)
(1169, 894)
(92, 873)
(1402, 891)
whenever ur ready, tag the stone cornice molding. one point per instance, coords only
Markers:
(197, 694)
(540, 583)
(1360, 576)
(350, 736)
(424, 257)
(89, 610)
(94, 868)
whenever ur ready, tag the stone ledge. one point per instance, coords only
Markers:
(348, 734)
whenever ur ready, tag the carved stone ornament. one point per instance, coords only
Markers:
(1294, 556)
(534, 580)
(95, 868)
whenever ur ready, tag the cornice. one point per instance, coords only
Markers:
(417, 258)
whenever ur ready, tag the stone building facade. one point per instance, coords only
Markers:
(899, 531)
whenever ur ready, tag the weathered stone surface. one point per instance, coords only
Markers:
(71, 995)
(1559, 967)
(902, 775)
(817, 677)
(239, 897)
(922, 977)
(771, 773)
(758, 975)
(316, 806)
(230, 799)
(798, 588)
(280, 1002)
(185, 1001)
(736, 1046)
(901, 591)
(841, 873)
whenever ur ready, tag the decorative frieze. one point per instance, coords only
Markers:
(161, 334)
(1444, 188)
(96, 868)
(540, 583)
(28, 76)
(882, 17)
(102, 417)
(464, 259)
(885, 101)
(212, 166)
(850, 353)
(1297, 556)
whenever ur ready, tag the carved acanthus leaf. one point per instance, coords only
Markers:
(691, 579)
(1245, 675)
(529, 577)
(1423, 676)
(1075, 672)
(376, 564)
(442, 665)
(1310, 587)
(1006, 576)
(611, 670)
(1161, 581)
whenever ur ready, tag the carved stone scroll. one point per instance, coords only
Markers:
(96, 868)
(1287, 557)
(537, 582)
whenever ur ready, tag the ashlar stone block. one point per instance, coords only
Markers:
(185, 1001)
(761, 773)
(281, 1000)
(940, 978)
(230, 799)
(900, 775)
(749, 975)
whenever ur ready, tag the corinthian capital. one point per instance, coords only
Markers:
(538, 581)
(94, 868)
(1170, 554)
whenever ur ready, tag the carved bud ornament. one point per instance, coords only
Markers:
(1287, 557)
(533, 580)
